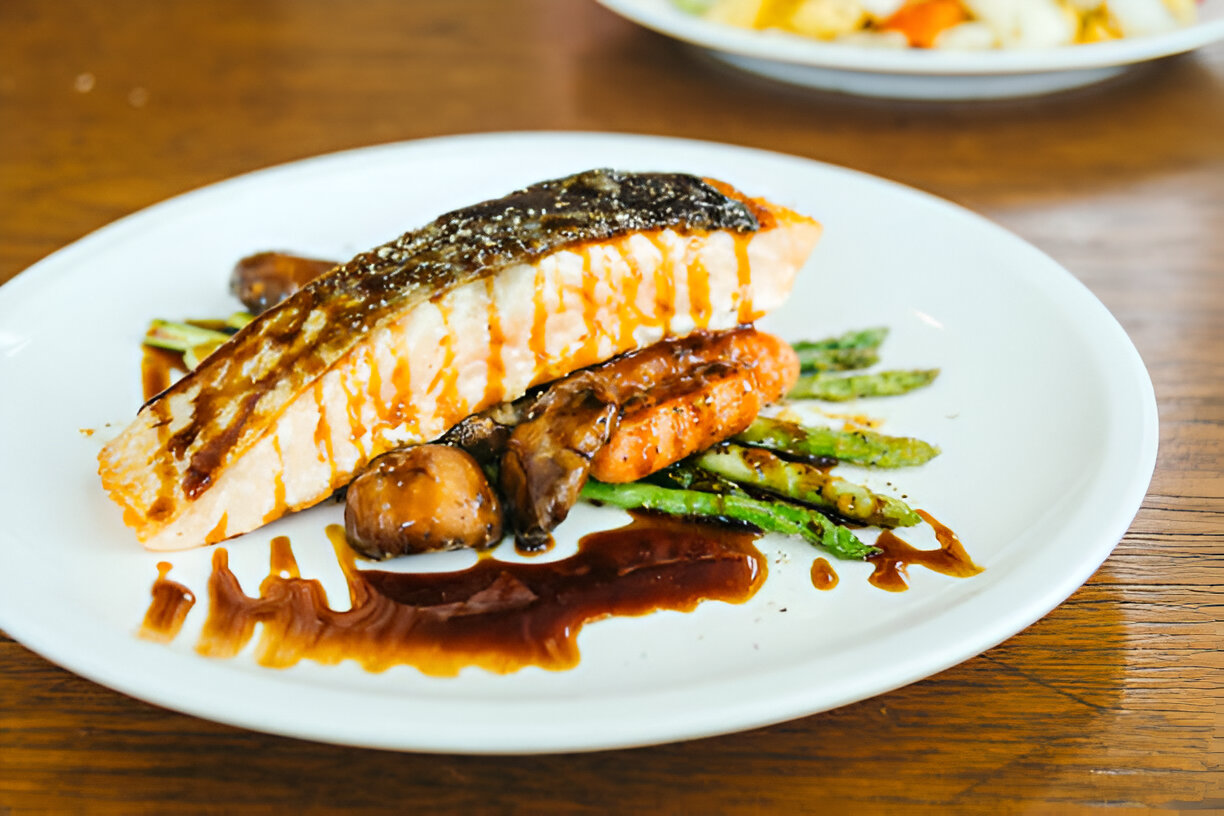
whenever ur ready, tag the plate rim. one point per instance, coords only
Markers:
(786, 48)
(27, 631)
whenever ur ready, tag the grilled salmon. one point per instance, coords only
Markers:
(405, 340)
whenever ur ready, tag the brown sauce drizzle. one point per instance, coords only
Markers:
(664, 282)
(374, 387)
(590, 314)
(351, 385)
(157, 370)
(743, 271)
(217, 533)
(168, 609)
(498, 615)
(495, 378)
(891, 564)
(450, 402)
(700, 306)
(629, 314)
(543, 545)
(823, 576)
(537, 342)
(403, 413)
(322, 432)
(281, 560)
(164, 503)
(278, 484)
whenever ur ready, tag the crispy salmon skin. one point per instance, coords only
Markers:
(400, 343)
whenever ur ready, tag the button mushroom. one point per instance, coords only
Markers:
(419, 499)
(264, 279)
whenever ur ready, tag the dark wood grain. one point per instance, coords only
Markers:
(1115, 698)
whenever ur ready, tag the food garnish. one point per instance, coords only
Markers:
(952, 24)
(763, 470)
(420, 499)
(783, 517)
(834, 388)
(654, 400)
(859, 446)
(851, 350)
(539, 452)
(264, 279)
(404, 341)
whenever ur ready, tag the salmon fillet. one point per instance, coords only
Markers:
(405, 340)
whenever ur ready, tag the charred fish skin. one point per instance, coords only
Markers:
(476, 308)
(277, 356)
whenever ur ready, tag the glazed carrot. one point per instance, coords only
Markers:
(774, 364)
(672, 422)
(653, 437)
(921, 22)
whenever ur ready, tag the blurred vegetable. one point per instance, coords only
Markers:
(952, 24)
(854, 349)
(194, 339)
(827, 19)
(882, 384)
(167, 334)
(921, 22)
(1028, 23)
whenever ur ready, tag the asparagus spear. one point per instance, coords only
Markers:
(794, 480)
(212, 323)
(855, 349)
(861, 447)
(814, 360)
(688, 477)
(768, 516)
(180, 336)
(862, 338)
(238, 320)
(881, 384)
(195, 355)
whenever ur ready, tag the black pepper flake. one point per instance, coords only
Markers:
(455, 249)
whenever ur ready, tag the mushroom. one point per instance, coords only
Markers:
(420, 499)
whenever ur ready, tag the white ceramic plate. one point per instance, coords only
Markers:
(1044, 411)
(915, 73)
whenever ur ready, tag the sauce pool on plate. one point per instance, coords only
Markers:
(168, 609)
(897, 554)
(497, 615)
(823, 575)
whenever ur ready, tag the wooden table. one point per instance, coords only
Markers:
(1113, 699)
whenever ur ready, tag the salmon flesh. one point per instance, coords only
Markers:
(405, 340)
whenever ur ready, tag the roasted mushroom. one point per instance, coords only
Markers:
(264, 279)
(419, 499)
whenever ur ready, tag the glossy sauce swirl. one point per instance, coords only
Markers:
(158, 370)
(498, 615)
(168, 609)
(897, 554)
(823, 575)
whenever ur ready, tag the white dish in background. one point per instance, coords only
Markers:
(918, 73)
(1048, 437)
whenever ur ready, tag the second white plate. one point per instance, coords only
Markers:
(916, 73)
